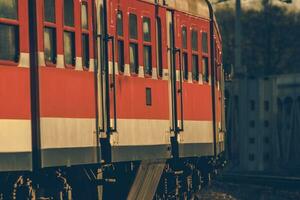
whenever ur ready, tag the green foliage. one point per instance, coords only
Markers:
(270, 43)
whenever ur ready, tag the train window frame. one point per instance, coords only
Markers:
(69, 29)
(85, 33)
(159, 50)
(204, 42)
(15, 23)
(147, 46)
(133, 42)
(185, 53)
(50, 25)
(120, 44)
(195, 54)
(205, 69)
(134, 26)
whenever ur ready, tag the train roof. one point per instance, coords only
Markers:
(197, 8)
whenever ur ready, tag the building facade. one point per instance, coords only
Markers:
(263, 122)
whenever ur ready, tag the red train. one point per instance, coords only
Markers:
(101, 83)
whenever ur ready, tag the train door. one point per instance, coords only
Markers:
(135, 82)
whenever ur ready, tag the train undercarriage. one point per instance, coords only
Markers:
(159, 179)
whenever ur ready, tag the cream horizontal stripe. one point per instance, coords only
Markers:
(15, 135)
(67, 132)
(196, 132)
(141, 132)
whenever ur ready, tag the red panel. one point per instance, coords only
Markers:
(196, 102)
(67, 93)
(14, 93)
(131, 98)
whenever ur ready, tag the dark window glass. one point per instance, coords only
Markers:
(84, 15)
(120, 23)
(194, 40)
(266, 123)
(133, 33)
(266, 106)
(266, 140)
(251, 140)
(49, 10)
(121, 55)
(9, 9)
(184, 37)
(50, 44)
(251, 157)
(69, 48)
(195, 68)
(252, 123)
(147, 29)
(9, 42)
(204, 42)
(133, 56)
(148, 97)
(85, 50)
(252, 105)
(148, 60)
(159, 48)
(185, 66)
(266, 157)
(69, 13)
(205, 69)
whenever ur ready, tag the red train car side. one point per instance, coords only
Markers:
(109, 87)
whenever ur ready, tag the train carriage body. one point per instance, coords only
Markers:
(115, 81)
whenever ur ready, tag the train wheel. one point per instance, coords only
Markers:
(23, 189)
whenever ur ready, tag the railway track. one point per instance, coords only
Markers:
(283, 182)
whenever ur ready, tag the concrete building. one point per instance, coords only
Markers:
(263, 122)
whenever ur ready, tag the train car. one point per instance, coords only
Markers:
(108, 92)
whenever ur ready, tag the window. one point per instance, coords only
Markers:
(121, 61)
(252, 105)
(120, 23)
(69, 33)
(195, 68)
(49, 7)
(84, 15)
(69, 47)
(184, 37)
(266, 140)
(204, 42)
(251, 157)
(9, 31)
(133, 57)
(195, 57)
(147, 60)
(147, 29)
(266, 123)
(147, 46)
(266, 157)
(266, 106)
(194, 40)
(148, 97)
(133, 33)
(159, 47)
(205, 69)
(133, 45)
(120, 43)
(85, 35)
(85, 50)
(252, 123)
(50, 31)
(185, 57)
(251, 140)
(68, 13)
(185, 66)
